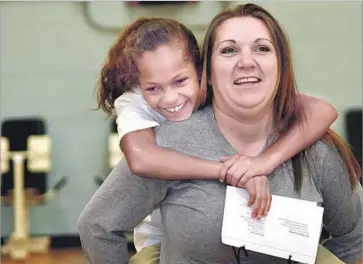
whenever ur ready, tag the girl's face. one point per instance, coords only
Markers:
(169, 81)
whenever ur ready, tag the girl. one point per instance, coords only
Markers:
(152, 74)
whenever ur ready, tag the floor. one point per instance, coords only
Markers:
(55, 256)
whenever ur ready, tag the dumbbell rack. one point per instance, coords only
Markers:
(20, 244)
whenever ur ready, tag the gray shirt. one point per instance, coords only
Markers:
(192, 210)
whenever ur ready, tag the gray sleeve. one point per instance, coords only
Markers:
(342, 209)
(120, 203)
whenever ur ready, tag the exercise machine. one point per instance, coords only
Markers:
(25, 162)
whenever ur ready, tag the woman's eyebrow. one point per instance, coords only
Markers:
(234, 41)
(227, 40)
(261, 39)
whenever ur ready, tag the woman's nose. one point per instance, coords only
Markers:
(246, 60)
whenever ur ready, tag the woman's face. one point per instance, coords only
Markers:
(244, 65)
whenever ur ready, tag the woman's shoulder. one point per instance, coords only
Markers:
(325, 152)
(325, 157)
(198, 125)
(328, 163)
(321, 149)
(198, 119)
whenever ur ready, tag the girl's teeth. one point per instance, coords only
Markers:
(176, 109)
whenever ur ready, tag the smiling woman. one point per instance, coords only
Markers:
(244, 65)
(247, 65)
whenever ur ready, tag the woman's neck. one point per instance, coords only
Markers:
(247, 132)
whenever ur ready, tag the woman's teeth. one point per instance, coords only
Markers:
(176, 109)
(246, 80)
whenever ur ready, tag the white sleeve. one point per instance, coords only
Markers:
(133, 113)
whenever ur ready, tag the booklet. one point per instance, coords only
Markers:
(291, 230)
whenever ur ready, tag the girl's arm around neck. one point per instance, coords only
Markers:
(318, 117)
(146, 159)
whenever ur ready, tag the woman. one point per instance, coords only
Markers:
(254, 101)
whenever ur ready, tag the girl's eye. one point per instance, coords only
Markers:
(151, 89)
(180, 81)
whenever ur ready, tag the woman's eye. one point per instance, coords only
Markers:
(228, 50)
(263, 49)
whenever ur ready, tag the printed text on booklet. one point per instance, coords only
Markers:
(291, 228)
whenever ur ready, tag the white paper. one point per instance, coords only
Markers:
(292, 226)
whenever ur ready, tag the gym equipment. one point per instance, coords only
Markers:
(25, 162)
(354, 132)
(158, 3)
(114, 152)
